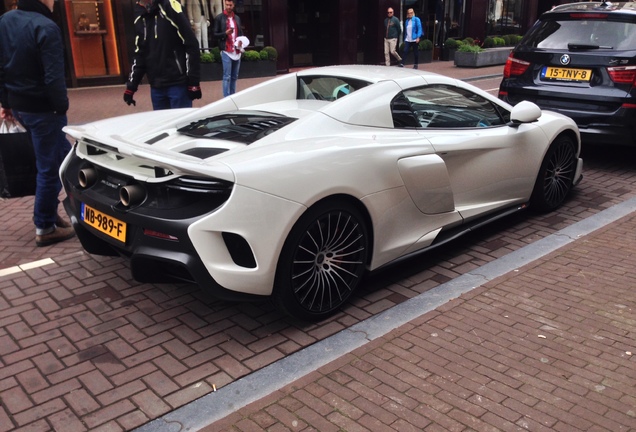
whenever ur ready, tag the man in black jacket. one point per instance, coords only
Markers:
(167, 50)
(227, 28)
(33, 90)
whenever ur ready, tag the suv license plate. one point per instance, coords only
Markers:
(566, 74)
(109, 225)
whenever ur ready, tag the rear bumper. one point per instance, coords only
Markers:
(615, 125)
(154, 261)
(608, 134)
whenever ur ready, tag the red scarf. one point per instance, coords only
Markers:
(229, 41)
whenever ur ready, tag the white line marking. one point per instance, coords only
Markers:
(27, 266)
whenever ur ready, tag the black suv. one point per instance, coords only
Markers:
(579, 59)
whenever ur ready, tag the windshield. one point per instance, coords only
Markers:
(584, 33)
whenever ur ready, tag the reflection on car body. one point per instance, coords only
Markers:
(267, 193)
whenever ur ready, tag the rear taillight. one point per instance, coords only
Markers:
(515, 67)
(622, 74)
(160, 235)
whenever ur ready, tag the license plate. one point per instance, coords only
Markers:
(109, 225)
(566, 74)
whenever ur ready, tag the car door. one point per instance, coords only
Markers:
(490, 164)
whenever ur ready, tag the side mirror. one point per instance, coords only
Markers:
(524, 112)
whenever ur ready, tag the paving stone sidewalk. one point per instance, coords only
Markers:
(85, 347)
(548, 347)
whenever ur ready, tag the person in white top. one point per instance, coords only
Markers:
(227, 30)
(413, 31)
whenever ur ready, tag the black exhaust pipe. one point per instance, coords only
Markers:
(131, 195)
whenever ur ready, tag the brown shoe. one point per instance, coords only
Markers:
(60, 234)
(62, 223)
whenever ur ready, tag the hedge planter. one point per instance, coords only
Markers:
(249, 69)
(488, 57)
(424, 57)
(255, 69)
(211, 71)
(448, 54)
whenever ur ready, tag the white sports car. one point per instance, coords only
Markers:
(296, 187)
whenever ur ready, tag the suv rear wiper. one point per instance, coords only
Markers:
(580, 46)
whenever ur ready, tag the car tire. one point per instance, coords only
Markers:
(556, 176)
(322, 261)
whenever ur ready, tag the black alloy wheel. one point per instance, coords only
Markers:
(556, 176)
(323, 261)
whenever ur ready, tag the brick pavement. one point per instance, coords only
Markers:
(547, 347)
(84, 347)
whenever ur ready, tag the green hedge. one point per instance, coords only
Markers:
(425, 45)
(267, 53)
(207, 58)
(251, 56)
(272, 54)
(216, 53)
(451, 43)
(469, 48)
(501, 41)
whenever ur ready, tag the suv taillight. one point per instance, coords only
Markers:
(622, 74)
(515, 67)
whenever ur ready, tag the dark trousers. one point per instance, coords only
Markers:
(416, 52)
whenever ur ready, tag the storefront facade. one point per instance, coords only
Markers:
(93, 40)
(100, 41)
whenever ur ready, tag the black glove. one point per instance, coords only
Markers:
(194, 92)
(128, 97)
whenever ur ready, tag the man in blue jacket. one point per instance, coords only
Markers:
(33, 90)
(412, 33)
(167, 51)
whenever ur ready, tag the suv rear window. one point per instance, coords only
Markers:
(582, 31)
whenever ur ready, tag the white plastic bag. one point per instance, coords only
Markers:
(18, 169)
(11, 126)
(244, 43)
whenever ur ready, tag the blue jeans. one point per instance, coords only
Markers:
(170, 97)
(230, 74)
(51, 147)
(416, 53)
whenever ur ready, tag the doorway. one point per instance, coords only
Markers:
(313, 24)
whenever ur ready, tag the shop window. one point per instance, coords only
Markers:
(504, 17)
(93, 40)
(251, 13)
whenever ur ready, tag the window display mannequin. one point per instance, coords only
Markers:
(83, 22)
(199, 14)
(216, 7)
